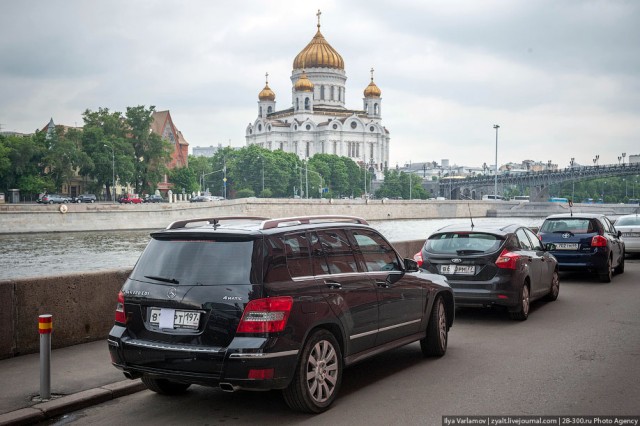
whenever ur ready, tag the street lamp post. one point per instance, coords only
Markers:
(624, 154)
(573, 182)
(495, 126)
(113, 170)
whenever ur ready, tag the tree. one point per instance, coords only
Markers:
(184, 178)
(151, 152)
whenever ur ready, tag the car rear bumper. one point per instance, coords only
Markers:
(497, 292)
(576, 261)
(228, 367)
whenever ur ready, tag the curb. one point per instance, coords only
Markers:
(66, 404)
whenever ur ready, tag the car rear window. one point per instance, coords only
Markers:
(196, 262)
(569, 224)
(463, 243)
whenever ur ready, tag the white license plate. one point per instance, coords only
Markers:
(174, 318)
(631, 234)
(567, 246)
(457, 269)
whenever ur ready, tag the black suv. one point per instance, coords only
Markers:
(256, 304)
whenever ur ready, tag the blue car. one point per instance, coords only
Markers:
(584, 242)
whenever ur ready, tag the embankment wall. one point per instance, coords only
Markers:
(82, 305)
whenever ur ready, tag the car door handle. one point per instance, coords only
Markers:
(383, 284)
(332, 284)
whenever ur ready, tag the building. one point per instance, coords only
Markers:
(206, 151)
(163, 125)
(317, 120)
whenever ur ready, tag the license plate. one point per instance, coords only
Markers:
(631, 234)
(457, 269)
(174, 318)
(567, 246)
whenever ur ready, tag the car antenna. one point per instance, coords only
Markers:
(470, 216)
(571, 207)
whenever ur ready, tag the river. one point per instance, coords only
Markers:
(27, 255)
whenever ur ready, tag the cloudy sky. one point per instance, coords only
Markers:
(560, 77)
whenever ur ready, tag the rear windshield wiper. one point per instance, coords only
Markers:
(163, 279)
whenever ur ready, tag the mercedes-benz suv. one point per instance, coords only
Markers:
(256, 304)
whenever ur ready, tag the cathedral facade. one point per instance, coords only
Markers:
(317, 120)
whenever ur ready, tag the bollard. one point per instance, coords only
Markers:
(45, 327)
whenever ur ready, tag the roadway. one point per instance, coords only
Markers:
(579, 355)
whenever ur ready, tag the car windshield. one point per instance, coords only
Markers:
(463, 243)
(196, 262)
(569, 224)
(628, 221)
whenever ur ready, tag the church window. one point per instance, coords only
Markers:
(354, 125)
(260, 111)
(281, 146)
(269, 128)
(307, 149)
(376, 109)
(307, 104)
(322, 92)
(357, 150)
(269, 110)
(332, 93)
(250, 131)
(335, 127)
(308, 126)
(297, 104)
(371, 152)
(372, 129)
(335, 147)
(366, 109)
(295, 127)
(259, 127)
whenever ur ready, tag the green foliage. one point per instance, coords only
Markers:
(245, 193)
(400, 184)
(184, 178)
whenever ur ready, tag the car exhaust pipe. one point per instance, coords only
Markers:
(228, 387)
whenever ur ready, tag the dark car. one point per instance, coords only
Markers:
(585, 242)
(54, 199)
(154, 199)
(492, 266)
(85, 198)
(257, 304)
(201, 199)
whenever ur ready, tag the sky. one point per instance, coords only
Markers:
(560, 77)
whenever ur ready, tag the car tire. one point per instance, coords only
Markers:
(435, 343)
(50, 202)
(164, 386)
(620, 267)
(318, 374)
(555, 287)
(522, 310)
(607, 273)
(78, 201)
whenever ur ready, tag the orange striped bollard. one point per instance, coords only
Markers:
(45, 327)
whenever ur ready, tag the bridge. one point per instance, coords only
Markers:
(474, 187)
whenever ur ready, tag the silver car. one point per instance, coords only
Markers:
(629, 225)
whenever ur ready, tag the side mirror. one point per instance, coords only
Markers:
(411, 265)
(549, 247)
(619, 234)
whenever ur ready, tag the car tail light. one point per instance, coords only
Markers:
(261, 374)
(418, 258)
(507, 260)
(598, 241)
(265, 315)
(121, 317)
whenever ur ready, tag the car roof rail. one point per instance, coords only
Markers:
(299, 220)
(212, 220)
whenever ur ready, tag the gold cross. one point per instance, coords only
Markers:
(371, 74)
(318, 15)
(266, 76)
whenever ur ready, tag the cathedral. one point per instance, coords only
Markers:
(318, 121)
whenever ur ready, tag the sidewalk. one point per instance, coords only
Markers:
(81, 375)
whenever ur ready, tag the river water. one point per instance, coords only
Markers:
(27, 255)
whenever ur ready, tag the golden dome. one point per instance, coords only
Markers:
(372, 91)
(318, 54)
(303, 84)
(267, 94)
